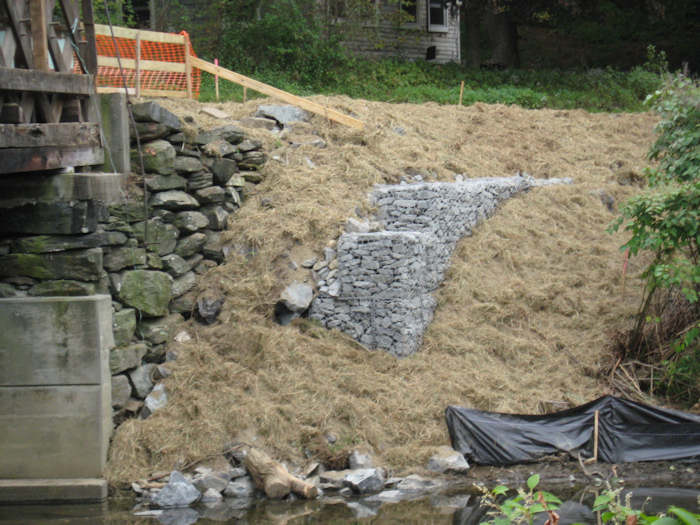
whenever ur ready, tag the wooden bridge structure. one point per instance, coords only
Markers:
(48, 114)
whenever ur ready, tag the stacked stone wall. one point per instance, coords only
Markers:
(379, 291)
(83, 234)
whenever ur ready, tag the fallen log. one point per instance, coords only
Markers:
(271, 477)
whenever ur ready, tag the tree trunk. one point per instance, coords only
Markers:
(273, 478)
(503, 34)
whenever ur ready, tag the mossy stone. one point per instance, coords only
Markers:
(147, 291)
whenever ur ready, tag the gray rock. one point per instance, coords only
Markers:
(249, 145)
(156, 399)
(52, 243)
(309, 263)
(223, 170)
(188, 246)
(158, 157)
(283, 114)
(204, 266)
(116, 259)
(79, 265)
(355, 226)
(259, 123)
(191, 221)
(173, 200)
(148, 131)
(121, 390)
(147, 291)
(217, 481)
(154, 261)
(123, 326)
(177, 493)
(297, 297)
(165, 182)
(448, 460)
(199, 180)
(240, 488)
(127, 357)
(217, 217)
(153, 112)
(175, 265)
(416, 484)
(184, 304)
(213, 247)
(211, 495)
(211, 195)
(229, 133)
(208, 309)
(142, 379)
(237, 181)
(61, 287)
(7, 290)
(365, 481)
(161, 329)
(252, 160)
(237, 472)
(184, 284)
(186, 165)
(219, 148)
(162, 237)
(363, 509)
(358, 460)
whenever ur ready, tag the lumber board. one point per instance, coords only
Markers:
(19, 160)
(40, 135)
(15, 79)
(144, 65)
(271, 91)
(166, 93)
(22, 38)
(151, 36)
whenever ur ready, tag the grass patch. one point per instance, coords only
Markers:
(417, 82)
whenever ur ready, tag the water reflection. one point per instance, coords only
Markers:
(443, 508)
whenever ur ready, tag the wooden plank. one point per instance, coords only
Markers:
(40, 39)
(19, 31)
(90, 55)
(266, 89)
(114, 89)
(166, 93)
(188, 69)
(11, 113)
(18, 160)
(7, 51)
(151, 36)
(51, 82)
(56, 135)
(145, 65)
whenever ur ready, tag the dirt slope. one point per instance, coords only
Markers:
(525, 315)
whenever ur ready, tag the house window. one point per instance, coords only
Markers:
(409, 12)
(437, 17)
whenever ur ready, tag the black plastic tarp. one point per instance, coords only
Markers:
(628, 431)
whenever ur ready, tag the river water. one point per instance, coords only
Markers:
(455, 508)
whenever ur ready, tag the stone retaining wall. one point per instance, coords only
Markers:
(58, 239)
(379, 290)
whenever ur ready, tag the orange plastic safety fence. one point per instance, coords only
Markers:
(149, 79)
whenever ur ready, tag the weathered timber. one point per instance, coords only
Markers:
(145, 65)
(16, 160)
(19, 31)
(38, 135)
(151, 36)
(40, 49)
(271, 476)
(13, 79)
(266, 89)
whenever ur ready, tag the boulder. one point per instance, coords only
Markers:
(208, 309)
(213, 247)
(177, 493)
(153, 112)
(121, 390)
(60, 243)
(249, 145)
(188, 246)
(365, 481)
(162, 237)
(123, 326)
(127, 357)
(161, 329)
(447, 459)
(186, 165)
(165, 182)
(80, 265)
(283, 114)
(61, 287)
(148, 131)
(146, 290)
(259, 123)
(229, 133)
(252, 160)
(223, 170)
(158, 157)
(173, 200)
(191, 221)
(199, 180)
(127, 256)
(142, 379)
(297, 297)
(219, 148)
(217, 481)
(176, 265)
(216, 215)
(156, 399)
(211, 195)
(184, 284)
(240, 488)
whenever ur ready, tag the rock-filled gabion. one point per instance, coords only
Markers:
(147, 257)
(379, 289)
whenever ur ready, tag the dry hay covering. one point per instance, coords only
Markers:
(525, 314)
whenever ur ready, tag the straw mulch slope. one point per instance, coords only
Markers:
(525, 314)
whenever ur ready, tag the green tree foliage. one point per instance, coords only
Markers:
(666, 222)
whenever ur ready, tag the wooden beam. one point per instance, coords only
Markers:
(165, 93)
(7, 52)
(55, 135)
(266, 89)
(18, 160)
(145, 65)
(19, 31)
(151, 36)
(40, 39)
(90, 55)
(51, 82)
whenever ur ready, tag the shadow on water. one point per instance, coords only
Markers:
(444, 508)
